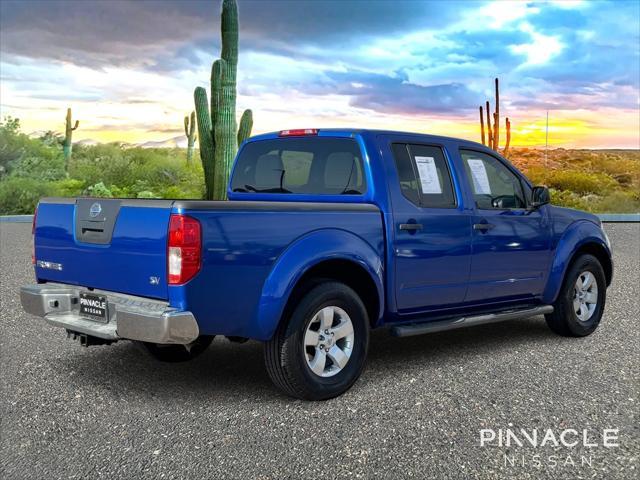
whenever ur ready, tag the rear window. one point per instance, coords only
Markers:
(310, 165)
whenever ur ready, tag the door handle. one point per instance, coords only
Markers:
(483, 227)
(411, 227)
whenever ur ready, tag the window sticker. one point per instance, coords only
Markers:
(479, 176)
(428, 175)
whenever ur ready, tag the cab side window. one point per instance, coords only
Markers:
(493, 184)
(424, 175)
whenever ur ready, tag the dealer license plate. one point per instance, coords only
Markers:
(93, 307)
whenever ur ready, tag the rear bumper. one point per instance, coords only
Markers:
(133, 318)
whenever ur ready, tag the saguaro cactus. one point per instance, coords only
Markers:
(496, 121)
(489, 129)
(508, 141)
(493, 125)
(190, 132)
(481, 125)
(217, 129)
(68, 132)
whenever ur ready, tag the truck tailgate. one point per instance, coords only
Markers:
(117, 245)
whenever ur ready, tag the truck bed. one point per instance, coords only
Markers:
(242, 240)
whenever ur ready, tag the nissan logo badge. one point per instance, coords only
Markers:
(95, 210)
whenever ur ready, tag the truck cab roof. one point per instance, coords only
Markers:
(340, 132)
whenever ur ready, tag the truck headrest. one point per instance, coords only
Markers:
(268, 171)
(337, 170)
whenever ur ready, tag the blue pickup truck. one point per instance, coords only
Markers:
(327, 234)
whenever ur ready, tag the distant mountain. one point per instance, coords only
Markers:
(38, 133)
(87, 142)
(175, 142)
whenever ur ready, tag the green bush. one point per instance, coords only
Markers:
(618, 202)
(99, 190)
(21, 195)
(30, 168)
(47, 166)
(106, 163)
(147, 194)
(575, 181)
(69, 187)
(568, 199)
(27, 157)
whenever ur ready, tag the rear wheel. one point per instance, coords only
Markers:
(178, 353)
(580, 304)
(319, 351)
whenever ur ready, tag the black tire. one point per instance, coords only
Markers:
(564, 319)
(285, 354)
(178, 353)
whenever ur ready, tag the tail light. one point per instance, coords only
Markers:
(184, 249)
(299, 132)
(33, 236)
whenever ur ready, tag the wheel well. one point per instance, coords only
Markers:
(344, 271)
(601, 254)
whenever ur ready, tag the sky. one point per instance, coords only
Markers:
(128, 68)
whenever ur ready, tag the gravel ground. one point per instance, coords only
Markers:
(113, 412)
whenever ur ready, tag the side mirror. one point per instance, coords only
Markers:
(540, 196)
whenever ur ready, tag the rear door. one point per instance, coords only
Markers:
(432, 232)
(110, 244)
(510, 243)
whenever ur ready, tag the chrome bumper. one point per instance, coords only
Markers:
(130, 317)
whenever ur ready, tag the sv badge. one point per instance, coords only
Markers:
(154, 280)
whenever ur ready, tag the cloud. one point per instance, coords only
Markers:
(395, 94)
(322, 57)
(89, 33)
(133, 33)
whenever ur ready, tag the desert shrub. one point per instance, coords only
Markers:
(99, 190)
(537, 175)
(46, 165)
(618, 202)
(19, 195)
(564, 198)
(186, 191)
(69, 187)
(34, 167)
(147, 194)
(106, 163)
(576, 181)
(600, 181)
(626, 171)
(28, 157)
(129, 171)
(12, 144)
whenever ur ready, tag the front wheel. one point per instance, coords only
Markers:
(172, 353)
(320, 350)
(580, 304)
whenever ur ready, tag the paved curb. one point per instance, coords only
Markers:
(16, 218)
(619, 217)
(605, 217)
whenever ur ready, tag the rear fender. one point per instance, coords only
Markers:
(299, 257)
(577, 236)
